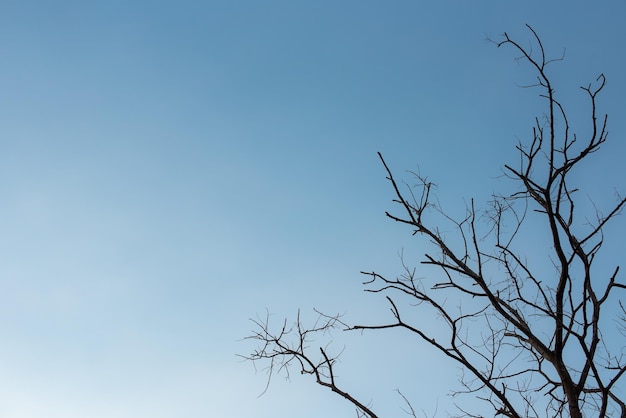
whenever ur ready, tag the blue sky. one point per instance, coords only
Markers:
(170, 169)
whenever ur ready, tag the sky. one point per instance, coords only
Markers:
(169, 170)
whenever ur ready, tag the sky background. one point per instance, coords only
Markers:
(169, 170)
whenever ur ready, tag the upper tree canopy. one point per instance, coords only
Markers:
(536, 334)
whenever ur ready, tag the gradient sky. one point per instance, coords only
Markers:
(170, 169)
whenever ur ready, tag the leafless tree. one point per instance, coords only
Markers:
(527, 333)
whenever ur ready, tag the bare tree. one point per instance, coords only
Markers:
(528, 334)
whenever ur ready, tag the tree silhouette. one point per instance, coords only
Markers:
(529, 338)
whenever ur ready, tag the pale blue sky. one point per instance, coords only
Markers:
(170, 169)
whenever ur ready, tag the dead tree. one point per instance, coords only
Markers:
(528, 334)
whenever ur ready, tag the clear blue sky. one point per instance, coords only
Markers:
(170, 169)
